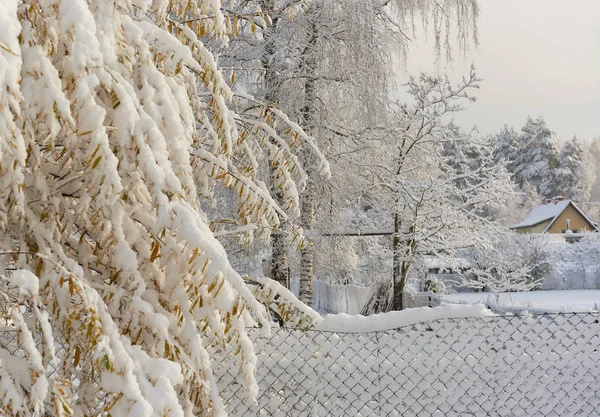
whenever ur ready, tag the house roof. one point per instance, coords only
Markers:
(550, 212)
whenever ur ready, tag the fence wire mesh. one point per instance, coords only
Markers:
(520, 365)
(541, 366)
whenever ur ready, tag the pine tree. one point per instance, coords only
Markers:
(506, 147)
(537, 158)
(569, 176)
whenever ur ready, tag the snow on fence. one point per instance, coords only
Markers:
(545, 365)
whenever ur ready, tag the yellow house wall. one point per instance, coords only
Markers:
(577, 222)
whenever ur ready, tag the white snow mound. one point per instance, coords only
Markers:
(344, 323)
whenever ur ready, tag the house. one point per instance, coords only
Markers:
(557, 216)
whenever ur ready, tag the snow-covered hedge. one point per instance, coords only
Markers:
(575, 266)
(523, 262)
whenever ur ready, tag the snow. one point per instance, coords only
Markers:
(438, 263)
(131, 278)
(344, 323)
(287, 297)
(26, 281)
(542, 213)
(550, 301)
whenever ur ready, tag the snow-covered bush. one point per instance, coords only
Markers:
(581, 254)
(517, 262)
(434, 284)
(509, 262)
(114, 118)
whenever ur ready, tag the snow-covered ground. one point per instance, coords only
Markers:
(551, 301)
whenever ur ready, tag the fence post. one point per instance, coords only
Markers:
(378, 373)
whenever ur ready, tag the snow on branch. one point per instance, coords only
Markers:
(115, 120)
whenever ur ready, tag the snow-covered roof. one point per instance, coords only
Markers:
(542, 213)
(549, 211)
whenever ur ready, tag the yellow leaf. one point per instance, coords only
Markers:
(96, 162)
(204, 266)
(89, 330)
(193, 257)
(8, 50)
(154, 254)
(38, 269)
(112, 404)
(77, 356)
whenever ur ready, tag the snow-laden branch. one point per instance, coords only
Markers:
(115, 120)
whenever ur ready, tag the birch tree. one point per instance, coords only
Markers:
(342, 82)
(328, 67)
(114, 120)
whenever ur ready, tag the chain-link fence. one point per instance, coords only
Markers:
(11, 348)
(543, 365)
(520, 365)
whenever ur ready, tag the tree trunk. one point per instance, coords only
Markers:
(309, 67)
(279, 260)
(307, 254)
(402, 261)
(398, 286)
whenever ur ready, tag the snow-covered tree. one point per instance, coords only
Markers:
(591, 179)
(537, 159)
(569, 176)
(592, 155)
(581, 255)
(506, 147)
(434, 182)
(508, 261)
(114, 120)
(464, 154)
(519, 205)
(329, 69)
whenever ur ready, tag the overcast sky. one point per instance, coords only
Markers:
(538, 58)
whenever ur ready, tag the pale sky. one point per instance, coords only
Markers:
(538, 58)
